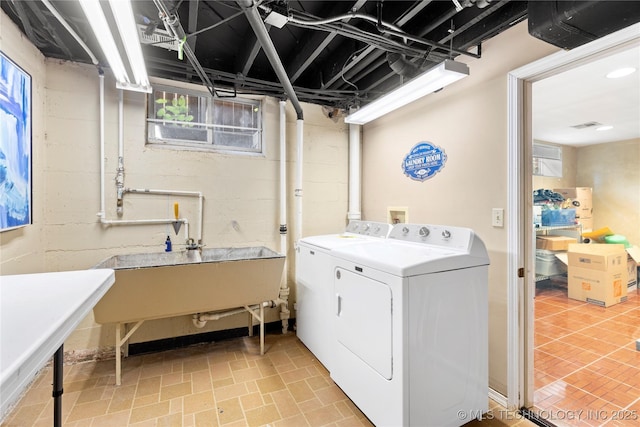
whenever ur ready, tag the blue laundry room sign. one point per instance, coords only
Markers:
(424, 161)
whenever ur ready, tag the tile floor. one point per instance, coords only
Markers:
(587, 368)
(226, 383)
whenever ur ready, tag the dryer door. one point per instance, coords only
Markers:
(363, 319)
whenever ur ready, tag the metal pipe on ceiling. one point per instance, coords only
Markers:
(260, 30)
(172, 24)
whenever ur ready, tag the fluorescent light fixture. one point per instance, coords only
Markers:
(601, 128)
(434, 79)
(128, 33)
(621, 72)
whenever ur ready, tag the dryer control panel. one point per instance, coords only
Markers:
(369, 228)
(437, 235)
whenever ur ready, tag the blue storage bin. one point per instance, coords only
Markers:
(558, 217)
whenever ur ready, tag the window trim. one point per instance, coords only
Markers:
(210, 145)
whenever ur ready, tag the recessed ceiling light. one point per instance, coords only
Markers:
(605, 128)
(621, 72)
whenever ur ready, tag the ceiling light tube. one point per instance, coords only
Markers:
(127, 30)
(436, 78)
(98, 22)
(123, 14)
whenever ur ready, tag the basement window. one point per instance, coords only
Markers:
(192, 119)
(547, 160)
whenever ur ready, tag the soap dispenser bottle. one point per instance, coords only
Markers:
(167, 244)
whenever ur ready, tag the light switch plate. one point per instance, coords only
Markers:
(497, 217)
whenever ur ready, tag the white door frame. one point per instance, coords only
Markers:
(520, 229)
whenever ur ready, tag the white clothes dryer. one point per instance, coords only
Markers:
(314, 283)
(411, 323)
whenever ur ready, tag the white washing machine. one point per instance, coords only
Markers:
(411, 323)
(314, 279)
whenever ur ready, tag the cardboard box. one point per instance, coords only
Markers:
(633, 257)
(554, 243)
(603, 288)
(597, 273)
(584, 196)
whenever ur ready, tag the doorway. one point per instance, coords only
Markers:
(583, 356)
(521, 287)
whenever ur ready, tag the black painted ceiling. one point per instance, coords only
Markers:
(336, 53)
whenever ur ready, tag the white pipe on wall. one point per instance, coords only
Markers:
(101, 79)
(298, 190)
(284, 284)
(197, 194)
(283, 179)
(120, 169)
(355, 172)
(149, 222)
(120, 179)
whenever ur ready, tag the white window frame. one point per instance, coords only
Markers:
(201, 126)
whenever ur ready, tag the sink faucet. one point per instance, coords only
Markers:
(192, 245)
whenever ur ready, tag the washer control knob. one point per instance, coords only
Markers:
(377, 229)
(366, 227)
(446, 234)
(405, 230)
(424, 232)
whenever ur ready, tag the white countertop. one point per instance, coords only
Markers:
(37, 313)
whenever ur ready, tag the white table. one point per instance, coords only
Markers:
(37, 313)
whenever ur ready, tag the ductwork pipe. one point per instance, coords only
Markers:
(253, 16)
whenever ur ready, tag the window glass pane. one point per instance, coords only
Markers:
(186, 118)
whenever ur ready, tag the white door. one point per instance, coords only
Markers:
(363, 319)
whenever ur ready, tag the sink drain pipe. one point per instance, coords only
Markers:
(201, 319)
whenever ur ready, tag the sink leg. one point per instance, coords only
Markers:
(118, 353)
(120, 342)
(260, 318)
(261, 329)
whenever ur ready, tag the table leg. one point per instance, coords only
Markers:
(58, 361)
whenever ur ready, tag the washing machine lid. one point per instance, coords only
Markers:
(356, 232)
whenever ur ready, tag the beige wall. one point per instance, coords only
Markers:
(468, 120)
(66, 233)
(22, 250)
(613, 173)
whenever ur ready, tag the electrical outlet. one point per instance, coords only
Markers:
(497, 217)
